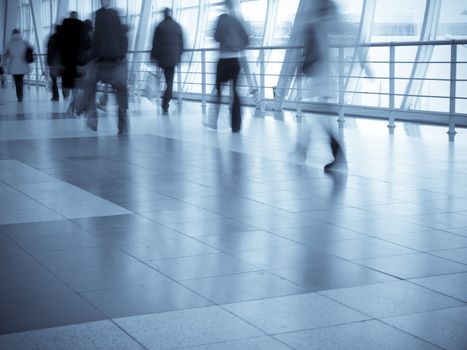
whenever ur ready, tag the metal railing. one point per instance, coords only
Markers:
(263, 81)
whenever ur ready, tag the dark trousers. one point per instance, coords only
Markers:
(19, 85)
(55, 95)
(229, 69)
(113, 73)
(169, 73)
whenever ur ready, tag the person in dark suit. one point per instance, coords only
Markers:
(232, 38)
(71, 33)
(54, 61)
(108, 50)
(167, 49)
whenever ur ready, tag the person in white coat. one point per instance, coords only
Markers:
(15, 61)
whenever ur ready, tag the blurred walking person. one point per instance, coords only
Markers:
(16, 60)
(71, 35)
(54, 61)
(232, 38)
(167, 49)
(109, 49)
(317, 66)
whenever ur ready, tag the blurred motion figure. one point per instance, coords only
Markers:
(232, 38)
(15, 60)
(109, 49)
(54, 61)
(322, 22)
(167, 49)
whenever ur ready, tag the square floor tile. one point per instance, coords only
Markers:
(177, 329)
(138, 300)
(243, 286)
(13, 265)
(317, 233)
(40, 228)
(382, 227)
(442, 221)
(19, 212)
(9, 247)
(390, 299)
(413, 265)
(37, 313)
(249, 240)
(355, 336)
(210, 227)
(36, 285)
(82, 258)
(459, 255)
(260, 343)
(285, 256)
(200, 266)
(111, 277)
(99, 335)
(361, 248)
(58, 241)
(335, 274)
(172, 248)
(428, 240)
(292, 313)
(453, 285)
(445, 328)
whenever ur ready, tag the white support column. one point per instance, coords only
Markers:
(39, 36)
(63, 7)
(140, 41)
(452, 93)
(10, 20)
(424, 54)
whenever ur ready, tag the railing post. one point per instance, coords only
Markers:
(262, 80)
(203, 81)
(179, 84)
(340, 70)
(452, 93)
(392, 73)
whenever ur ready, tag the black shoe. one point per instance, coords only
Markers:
(165, 112)
(20, 99)
(54, 99)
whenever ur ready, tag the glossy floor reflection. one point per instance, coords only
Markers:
(181, 237)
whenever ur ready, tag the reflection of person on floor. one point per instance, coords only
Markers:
(167, 49)
(232, 38)
(317, 66)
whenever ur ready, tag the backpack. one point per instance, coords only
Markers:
(29, 56)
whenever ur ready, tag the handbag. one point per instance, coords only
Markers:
(29, 55)
(152, 85)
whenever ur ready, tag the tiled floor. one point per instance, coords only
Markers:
(181, 237)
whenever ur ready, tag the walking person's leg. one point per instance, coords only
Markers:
(236, 113)
(116, 75)
(55, 95)
(18, 78)
(169, 73)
